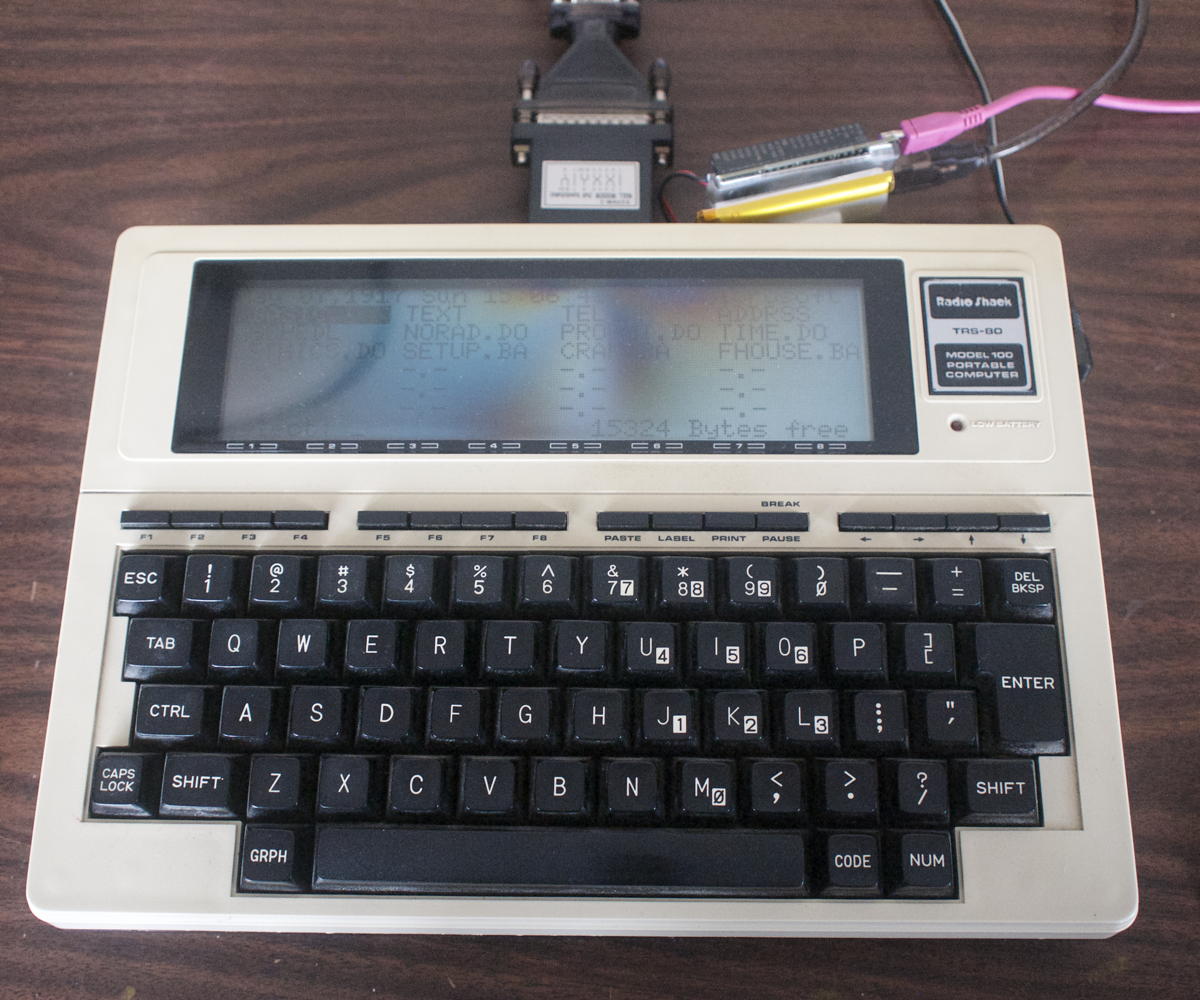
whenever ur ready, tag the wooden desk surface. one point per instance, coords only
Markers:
(264, 111)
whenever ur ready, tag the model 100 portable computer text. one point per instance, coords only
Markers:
(586, 579)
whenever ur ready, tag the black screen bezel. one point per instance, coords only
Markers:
(885, 303)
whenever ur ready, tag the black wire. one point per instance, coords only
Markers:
(663, 204)
(1141, 19)
(985, 95)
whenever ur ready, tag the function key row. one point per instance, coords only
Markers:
(289, 520)
(620, 520)
(607, 586)
(860, 521)
(470, 520)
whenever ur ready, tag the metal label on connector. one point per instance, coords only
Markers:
(977, 336)
(597, 184)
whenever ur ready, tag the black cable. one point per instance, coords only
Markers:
(985, 95)
(1141, 19)
(663, 204)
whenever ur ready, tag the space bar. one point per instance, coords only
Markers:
(558, 861)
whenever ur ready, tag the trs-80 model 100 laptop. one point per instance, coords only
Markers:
(586, 579)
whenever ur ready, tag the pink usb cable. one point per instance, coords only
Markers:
(927, 131)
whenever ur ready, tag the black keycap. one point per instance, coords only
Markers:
(525, 718)
(145, 519)
(749, 587)
(540, 520)
(419, 787)
(879, 722)
(706, 789)
(126, 784)
(886, 587)
(305, 650)
(864, 521)
(163, 649)
(280, 789)
(1025, 522)
(455, 718)
(849, 791)
(560, 860)
(649, 653)
(787, 653)
(147, 585)
(729, 521)
(250, 718)
(387, 717)
(1021, 589)
(820, 587)
(435, 520)
(953, 588)
(547, 586)
(581, 652)
(274, 859)
(719, 652)
(776, 791)
(195, 519)
(669, 719)
(560, 788)
(683, 521)
(373, 650)
(945, 722)
(780, 520)
(488, 788)
(479, 585)
(920, 792)
(345, 788)
(737, 720)
(972, 522)
(620, 520)
(511, 651)
(853, 867)
(683, 586)
(809, 721)
(280, 585)
(1019, 675)
(918, 523)
(996, 792)
(203, 786)
(414, 586)
(925, 654)
(318, 717)
(487, 520)
(346, 586)
(440, 651)
(382, 520)
(240, 650)
(173, 715)
(597, 719)
(300, 520)
(632, 790)
(615, 586)
(922, 865)
(214, 585)
(858, 655)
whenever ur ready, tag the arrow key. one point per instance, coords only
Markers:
(776, 791)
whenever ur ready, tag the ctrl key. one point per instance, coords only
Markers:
(274, 859)
(125, 785)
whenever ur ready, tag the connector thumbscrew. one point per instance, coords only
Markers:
(660, 79)
(527, 79)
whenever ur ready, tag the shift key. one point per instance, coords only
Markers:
(1019, 674)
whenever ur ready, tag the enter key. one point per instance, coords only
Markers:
(1018, 671)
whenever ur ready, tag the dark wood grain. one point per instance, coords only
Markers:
(264, 111)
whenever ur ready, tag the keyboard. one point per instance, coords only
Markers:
(869, 699)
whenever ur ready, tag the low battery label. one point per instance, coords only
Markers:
(599, 184)
(977, 336)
